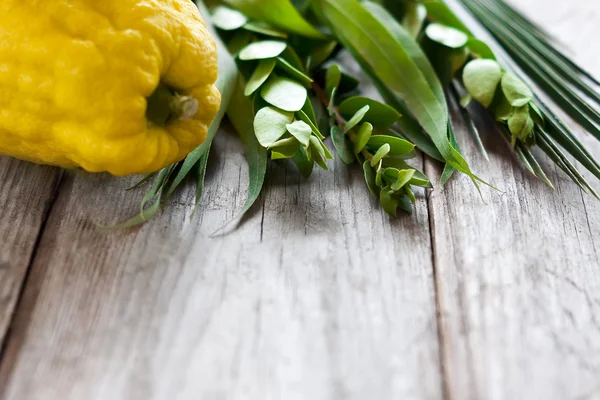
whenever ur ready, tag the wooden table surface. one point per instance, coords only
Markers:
(318, 295)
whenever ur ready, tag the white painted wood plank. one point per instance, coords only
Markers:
(26, 192)
(317, 296)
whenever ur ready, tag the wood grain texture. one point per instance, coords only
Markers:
(517, 279)
(26, 192)
(318, 295)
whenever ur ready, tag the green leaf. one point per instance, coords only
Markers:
(318, 152)
(516, 91)
(356, 118)
(480, 49)
(226, 83)
(241, 115)
(399, 64)
(389, 201)
(379, 114)
(520, 123)
(481, 78)
(304, 165)
(362, 137)
(382, 152)
(284, 93)
(414, 18)
(398, 147)
(262, 50)
(371, 178)
(446, 35)
(285, 150)
(333, 77)
(259, 76)
(342, 145)
(280, 13)
(264, 29)
(500, 106)
(294, 72)
(439, 12)
(228, 19)
(403, 179)
(301, 131)
(321, 53)
(270, 124)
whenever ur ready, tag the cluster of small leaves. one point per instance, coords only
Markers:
(277, 80)
(361, 131)
(460, 58)
(283, 87)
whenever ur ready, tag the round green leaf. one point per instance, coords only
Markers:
(228, 19)
(284, 93)
(398, 146)
(516, 91)
(270, 124)
(301, 131)
(262, 50)
(362, 137)
(379, 114)
(446, 35)
(481, 78)
(259, 76)
(480, 49)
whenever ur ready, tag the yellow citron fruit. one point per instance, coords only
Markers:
(124, 86)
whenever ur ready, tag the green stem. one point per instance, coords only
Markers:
(166, 105)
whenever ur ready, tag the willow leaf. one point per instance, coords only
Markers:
(389, 57)
(241, 115)
(279, 13)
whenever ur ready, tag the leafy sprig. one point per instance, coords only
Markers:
(284, 90)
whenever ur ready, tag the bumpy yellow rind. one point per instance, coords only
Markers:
(75, 76)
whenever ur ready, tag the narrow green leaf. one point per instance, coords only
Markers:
(362, 137)
(241, 115)
(260, 75)
(293, 72)
(342, 145)
(381, 152)
(414, 18)
(333, 77)
(264, 29)
(371, 178)
(356, 118)
(280, 13)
